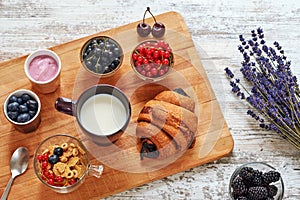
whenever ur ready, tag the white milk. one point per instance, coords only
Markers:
(103, 114)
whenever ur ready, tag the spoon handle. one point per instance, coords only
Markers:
(7, 189)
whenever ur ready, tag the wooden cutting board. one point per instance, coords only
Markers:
(122, 167)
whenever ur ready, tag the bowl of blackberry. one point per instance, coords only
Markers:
(101, 56)
(152, 60)
(256, 181)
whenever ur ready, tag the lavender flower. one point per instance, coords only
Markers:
(274, 94)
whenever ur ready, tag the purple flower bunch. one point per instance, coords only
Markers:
(274, 93)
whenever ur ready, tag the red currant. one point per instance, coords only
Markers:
(157, 62)
(155, 54)
(147, 68)
(154, 71)
(167, 54)
(149, 74)
(51, 176)
(40, 158)
(59, 179)
(140, 59)
(50, 181)
(72, 181)
(137, 64)
(143, 72)
(145, 61)
(161, 72)
(139, 68)
(44, 164)
(134, 56)
(46, 173)
(165, 62)
(45, 157)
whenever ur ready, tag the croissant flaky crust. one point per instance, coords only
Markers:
(166, 125)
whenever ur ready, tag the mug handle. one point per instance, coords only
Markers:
(64, 105)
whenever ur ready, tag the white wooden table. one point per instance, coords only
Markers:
(215, 26)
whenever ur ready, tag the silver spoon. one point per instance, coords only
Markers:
(18, 165)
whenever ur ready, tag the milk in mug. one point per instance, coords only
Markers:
(103, 114)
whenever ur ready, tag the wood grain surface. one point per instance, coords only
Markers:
(122, 160)
(214, 26)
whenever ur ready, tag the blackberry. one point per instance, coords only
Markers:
(270, 177)
(247, 174)
(256, 193)
(239, 188)
(242, 198)
(257, 178)
(272, 190)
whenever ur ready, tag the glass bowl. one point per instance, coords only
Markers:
(152, 60)
(263, 168)
(101, 56)
(68, 172)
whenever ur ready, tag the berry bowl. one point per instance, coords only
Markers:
(256, 180)
(22, 109)
(102, 56)
(61, 163)
(152, 60)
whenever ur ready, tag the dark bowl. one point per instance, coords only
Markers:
(101, 56)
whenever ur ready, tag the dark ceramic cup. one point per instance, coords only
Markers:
(102, 112)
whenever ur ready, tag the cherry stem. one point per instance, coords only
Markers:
(148, 10)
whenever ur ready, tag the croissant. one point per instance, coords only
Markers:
(166, 125)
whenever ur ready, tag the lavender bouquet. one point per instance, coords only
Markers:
(274, 91)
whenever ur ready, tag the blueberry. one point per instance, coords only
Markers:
(101, 44)
(112, 66)
(53, 159)
(117, 52)
(116, 62)
(58, 151)
(23, 108)
(13, 98)
(107, 69)
(24, 117)
(14, 106)
(25, 97)
(32, 104)
(20, 100)
(32, 113)
(13, 115)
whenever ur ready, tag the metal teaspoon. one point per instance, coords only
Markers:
(18, 165)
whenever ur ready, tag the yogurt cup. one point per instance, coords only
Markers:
(42, 67)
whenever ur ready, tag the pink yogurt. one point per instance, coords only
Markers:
(43, 68)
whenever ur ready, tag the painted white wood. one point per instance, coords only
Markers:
(214, 25)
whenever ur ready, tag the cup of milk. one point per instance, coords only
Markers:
(42, 67)
(102, 111)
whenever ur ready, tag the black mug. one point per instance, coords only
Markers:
(102, 111)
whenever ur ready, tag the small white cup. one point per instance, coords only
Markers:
(47, 86)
